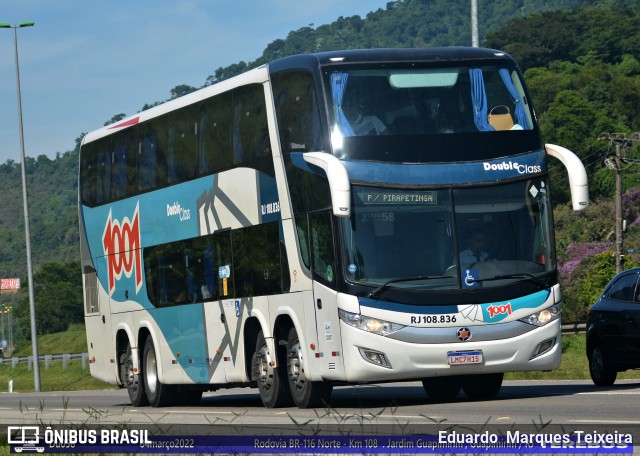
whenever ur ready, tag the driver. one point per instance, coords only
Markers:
(475, 253)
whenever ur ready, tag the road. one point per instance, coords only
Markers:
(519, 402)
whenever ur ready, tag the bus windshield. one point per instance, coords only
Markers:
(414, 101)
(449, 239)
(431, 114)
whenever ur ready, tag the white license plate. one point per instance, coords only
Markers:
(461, 358)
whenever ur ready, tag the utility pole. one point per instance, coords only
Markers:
(620, 141)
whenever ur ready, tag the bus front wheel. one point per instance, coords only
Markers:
(271, 379)
(442, 388)
(304, 393)
(133, 383)
(482, 386)
(159, 395)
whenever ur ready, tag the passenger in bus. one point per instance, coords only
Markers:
(475, 253)
(361, 123)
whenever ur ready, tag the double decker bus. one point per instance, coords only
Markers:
(310, 223)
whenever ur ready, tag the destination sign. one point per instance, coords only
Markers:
(398, 197)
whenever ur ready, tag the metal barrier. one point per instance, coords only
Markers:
(571, 327)
(574, 327)
(47, 359)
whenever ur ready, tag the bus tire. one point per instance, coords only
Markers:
(159, 395)
(272, 383)
(442, 388)
(135, 386)
(305, 394)
(602, 374)
(482, 386)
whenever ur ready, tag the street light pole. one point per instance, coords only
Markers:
(475, 41)
(32, 306)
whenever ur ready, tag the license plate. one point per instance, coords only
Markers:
(461, 358)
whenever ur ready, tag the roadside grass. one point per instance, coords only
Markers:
(574, 365)
(55, 378)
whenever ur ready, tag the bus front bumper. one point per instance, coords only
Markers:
(371, 357)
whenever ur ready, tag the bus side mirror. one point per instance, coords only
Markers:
(578, 182)
(338, 177)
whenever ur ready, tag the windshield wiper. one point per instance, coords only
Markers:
(522, 275)
(375, 294)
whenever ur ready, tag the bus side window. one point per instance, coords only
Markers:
(250, 131)
(322, 246)
(103, 173)
(151, 167)
(214, 135)
(124, 167)
(88, 174)
(147, 161)
(302, 230)
(257, 262)
(181, 152)
(200, 279)
(297, 112)
(172, 277)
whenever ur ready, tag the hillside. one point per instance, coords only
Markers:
(582, 67)
(52, 183)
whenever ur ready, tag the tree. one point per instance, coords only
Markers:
(181, 90)
(58, 299)
(114, 119)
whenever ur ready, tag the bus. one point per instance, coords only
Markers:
(308, 224)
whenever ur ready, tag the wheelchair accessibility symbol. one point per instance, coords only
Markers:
(237, 307)
(471, 278)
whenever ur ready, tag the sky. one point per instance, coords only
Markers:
(85, 61)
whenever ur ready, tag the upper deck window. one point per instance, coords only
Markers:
(417, 101)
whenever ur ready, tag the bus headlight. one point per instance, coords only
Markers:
(372, 325)
(544, 316)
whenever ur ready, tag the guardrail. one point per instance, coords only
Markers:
(47, 359)
(574, 327)
(571, 327)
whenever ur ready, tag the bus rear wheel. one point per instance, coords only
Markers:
(271, 380)
(482, 386)
(304, 393)
(158, 394)
(133, 383)
(442, 388)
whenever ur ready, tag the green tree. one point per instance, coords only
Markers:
(116, 118)
(181, 90)
(58, 299)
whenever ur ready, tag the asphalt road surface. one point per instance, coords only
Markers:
(577, 403)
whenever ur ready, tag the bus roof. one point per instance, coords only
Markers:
(427, 55)
(254, 76)
(306, 61)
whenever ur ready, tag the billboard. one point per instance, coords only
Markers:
(9, 285)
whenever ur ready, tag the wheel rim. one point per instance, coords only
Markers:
(296, 366)
(128, 368)
(151, 372)
(265, 371)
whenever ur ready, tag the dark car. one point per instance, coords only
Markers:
(613, 329)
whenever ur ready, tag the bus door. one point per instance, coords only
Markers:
(219, 306)
(325, 297)
(97, 313)
(217, 341)
(234, 312)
